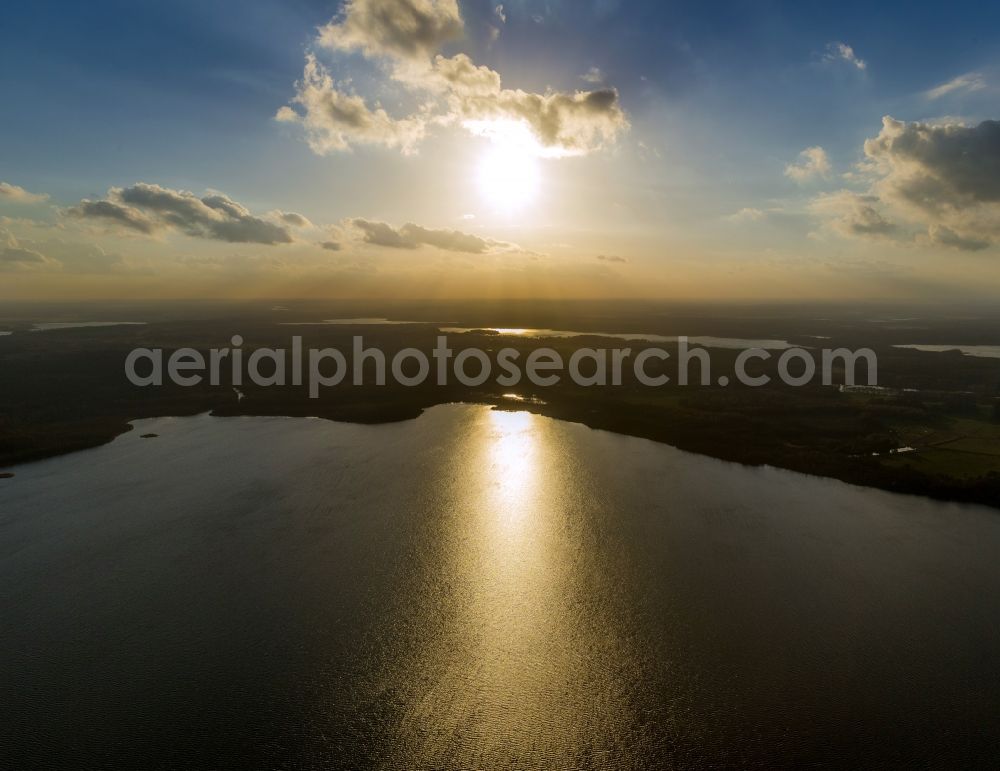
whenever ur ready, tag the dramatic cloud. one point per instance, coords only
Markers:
(842, 52)
(938, 167)
(116, 213)
(412, 236)
(17, 194)
(410, 29)
(813, 162)
(968, 83)
(562, 124)
(406, 37)
(942, 179)
(945, 177)
(149, 209)
(15, 256)
(335, 120)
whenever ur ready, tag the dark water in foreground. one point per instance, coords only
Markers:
(479, 589)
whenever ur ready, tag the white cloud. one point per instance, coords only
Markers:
(967, 83)
(838, 51)
(942, 180)
(15, 256)
(562, 124)
(150, 209)
(813, 162)
(411, 236)
(460, 75)
(851, 214)
(17, 194)
(406, 37)
(112, 212)
(747, 214)
(943, 175)
(292, 218)
(335, 120)
(411, 29)
(593, 75)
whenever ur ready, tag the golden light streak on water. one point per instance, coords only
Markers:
(526, 670)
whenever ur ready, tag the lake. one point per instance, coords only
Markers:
(561, 334)
(372, 322)
(482, 589)
(980, 351)
(700, 340)
(49, 326)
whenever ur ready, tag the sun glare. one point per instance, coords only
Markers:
(509, 176)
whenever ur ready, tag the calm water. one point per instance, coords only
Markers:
(541, 334)
(49, 326)
(980, 351)
(368, 322)
(706, 341)
(479, 589)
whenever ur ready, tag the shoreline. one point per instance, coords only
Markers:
(814, 465)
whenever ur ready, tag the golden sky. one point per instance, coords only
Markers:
(434, 148)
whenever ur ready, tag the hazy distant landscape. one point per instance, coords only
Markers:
(940, 407)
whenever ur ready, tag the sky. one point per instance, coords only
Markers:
(534, 148)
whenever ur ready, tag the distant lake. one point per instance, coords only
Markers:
(482, 589)
(980, 351)
(352, 323)
(49, 326)
(707, 342)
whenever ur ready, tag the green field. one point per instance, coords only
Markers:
(959, 447)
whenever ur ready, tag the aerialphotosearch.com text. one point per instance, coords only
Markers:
(543, 367)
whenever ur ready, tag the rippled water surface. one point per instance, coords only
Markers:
(482, 589)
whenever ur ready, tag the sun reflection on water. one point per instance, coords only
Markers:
(523, 668)
(513, 453)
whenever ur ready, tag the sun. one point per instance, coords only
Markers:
(508, 174)
(509, 178)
